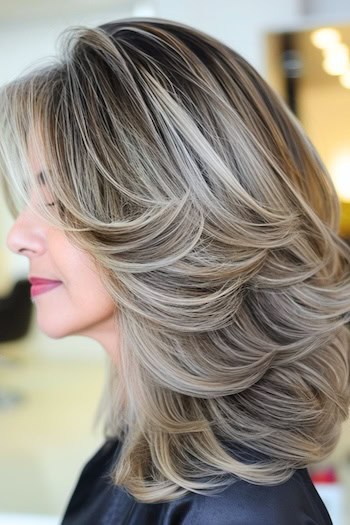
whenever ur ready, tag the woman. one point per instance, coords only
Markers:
(192, 230)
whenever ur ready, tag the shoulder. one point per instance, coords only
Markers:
(294, 502)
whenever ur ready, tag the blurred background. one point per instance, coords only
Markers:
(49, 389)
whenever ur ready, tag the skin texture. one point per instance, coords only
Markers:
(80, 305)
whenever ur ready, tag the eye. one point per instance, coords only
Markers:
(59, 206)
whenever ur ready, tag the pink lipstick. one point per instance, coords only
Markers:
(40, 285)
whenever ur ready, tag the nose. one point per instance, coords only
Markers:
(26, 236)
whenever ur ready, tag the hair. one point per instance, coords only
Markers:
(215, 226)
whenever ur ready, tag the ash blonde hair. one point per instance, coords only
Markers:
(215, 225)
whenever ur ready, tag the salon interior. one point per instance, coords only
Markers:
(50, 388)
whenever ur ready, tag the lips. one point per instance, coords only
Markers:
(40, 280)
(40, 285)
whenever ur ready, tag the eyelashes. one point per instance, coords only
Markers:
(60, 208)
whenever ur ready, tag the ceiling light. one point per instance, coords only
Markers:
(344, 79)
(340, 172)
(336, 60)
(325, 37)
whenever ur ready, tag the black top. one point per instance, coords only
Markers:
(95, 501)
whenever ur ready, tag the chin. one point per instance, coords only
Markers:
(55, 331)
(52, 334)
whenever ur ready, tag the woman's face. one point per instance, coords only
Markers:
(79, 305)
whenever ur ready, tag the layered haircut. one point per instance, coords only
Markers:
(215, 226)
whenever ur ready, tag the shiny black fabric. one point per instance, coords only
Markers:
(95, 501)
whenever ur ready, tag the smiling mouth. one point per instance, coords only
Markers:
(37, 289)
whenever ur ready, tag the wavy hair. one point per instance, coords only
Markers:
(215, 225)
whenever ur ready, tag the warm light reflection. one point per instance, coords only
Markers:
(340, 172)
(325, 37)
(344, 79)
(336, 61)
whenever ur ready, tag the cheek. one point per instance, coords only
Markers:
(80, 308)
(78, 273)
(80, 303)
(88, 295)
(82, 287)
(83, 283)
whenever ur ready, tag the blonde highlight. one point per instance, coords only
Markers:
(215, 226)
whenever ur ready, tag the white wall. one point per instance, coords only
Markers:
(239, 23)
(243, 24)
(329, 8)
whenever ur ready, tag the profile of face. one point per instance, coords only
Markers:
(79, 305)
